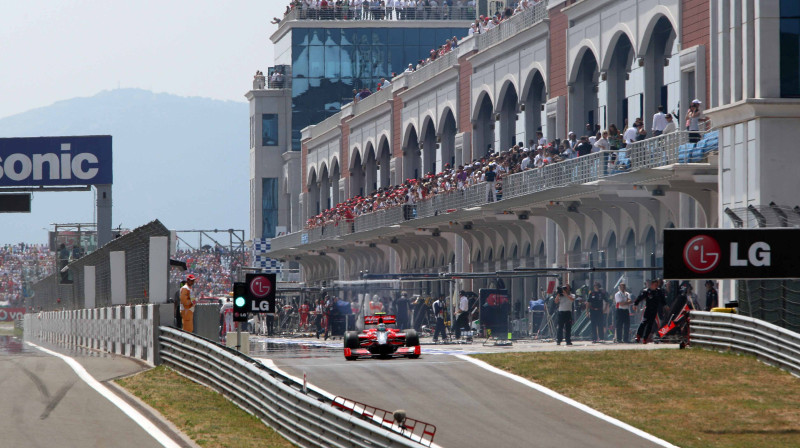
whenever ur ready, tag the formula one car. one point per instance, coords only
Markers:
(380, 340)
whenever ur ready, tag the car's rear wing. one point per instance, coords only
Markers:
(375, 320)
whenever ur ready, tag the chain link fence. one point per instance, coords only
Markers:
(65, 290)
(775, 301)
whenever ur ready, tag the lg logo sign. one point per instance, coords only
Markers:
(702, 254)
(261, 292)
(731, 253)
(758, 255)
(260, 287)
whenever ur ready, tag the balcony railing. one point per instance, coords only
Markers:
(426, 72)
(286, 241)
(669, 149)
(443, 12)
(513, 25)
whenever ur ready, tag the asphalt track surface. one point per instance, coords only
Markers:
(470, 406)
(45, 404)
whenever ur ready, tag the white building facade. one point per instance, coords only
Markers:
(559, 67)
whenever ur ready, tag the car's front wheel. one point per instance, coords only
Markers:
(412, 338)
(351, 342)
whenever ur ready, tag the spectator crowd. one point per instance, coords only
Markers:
(212, 266)
(21, 265)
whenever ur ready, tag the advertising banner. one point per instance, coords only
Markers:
(731, 253)
(11, 314)
(55, 161)
(261, 292)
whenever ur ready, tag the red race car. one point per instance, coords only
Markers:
(380, 340)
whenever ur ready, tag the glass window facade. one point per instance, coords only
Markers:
(269, 130)
(790, 49)
(327, 64)
(269, 207)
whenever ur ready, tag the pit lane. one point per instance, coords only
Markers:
(469, 405)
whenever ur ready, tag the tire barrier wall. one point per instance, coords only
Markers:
(769, 343)
(122, 330)
(306, 419)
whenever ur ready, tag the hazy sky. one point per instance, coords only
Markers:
(59, 49)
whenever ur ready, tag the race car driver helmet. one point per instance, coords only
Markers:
(381, 326)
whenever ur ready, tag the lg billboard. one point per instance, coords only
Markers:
(731, 253)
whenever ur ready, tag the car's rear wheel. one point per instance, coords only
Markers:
(412, 338)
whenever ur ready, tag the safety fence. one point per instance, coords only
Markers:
(769, 343)
(67, 288)
(303, 415)
(773, 301)
(122, 330)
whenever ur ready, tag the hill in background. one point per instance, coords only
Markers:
(182, 160)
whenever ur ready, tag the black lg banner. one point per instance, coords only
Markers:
(731, 253)
(261, 292)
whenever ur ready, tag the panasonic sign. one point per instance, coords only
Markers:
(55, 161)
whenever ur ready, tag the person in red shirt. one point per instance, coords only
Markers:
(304, 309)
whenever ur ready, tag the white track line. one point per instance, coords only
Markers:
(127, 409)
(569, 401)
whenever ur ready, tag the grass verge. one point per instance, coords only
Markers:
(201, 413)
(691, 398)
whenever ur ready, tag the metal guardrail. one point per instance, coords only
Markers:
(306, 419)
(432, 69)
(123, 330)
(378, 219)
(513, 25)
(656, 151)
(286, 241)
(769, 343)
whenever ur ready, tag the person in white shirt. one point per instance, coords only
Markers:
(622, 320)
(410, 68)
(540, 139)
(564, 300)
(526, 162)
(659, 122)
(569, 152)
(630, 134)
(601, 144)
(472, 30)
(385, 83)
(571, 140)
(670, 127)
(462, 320)
(541, 158)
